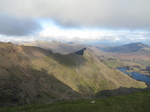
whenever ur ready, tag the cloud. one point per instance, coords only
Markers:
(13, 26)
(107, 14)
(82, 36)
(86, 35)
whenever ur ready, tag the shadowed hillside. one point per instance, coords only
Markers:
(35, 75)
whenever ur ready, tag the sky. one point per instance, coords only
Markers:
(75, 20)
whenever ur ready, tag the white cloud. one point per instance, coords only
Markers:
(112, 14)
(57, 33)
(82, 35)
(85, 35)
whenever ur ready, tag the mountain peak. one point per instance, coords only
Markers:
(136, 44)
(142, 45)
(81, 52)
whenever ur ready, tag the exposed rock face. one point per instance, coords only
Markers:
(81, 52)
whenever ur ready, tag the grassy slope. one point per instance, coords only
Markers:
(137, 102)
(85, 74)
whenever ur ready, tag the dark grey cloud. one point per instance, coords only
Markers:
(111, 14)
(14, 26)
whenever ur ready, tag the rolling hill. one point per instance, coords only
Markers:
(35, 75)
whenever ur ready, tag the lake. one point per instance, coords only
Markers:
(135, 75)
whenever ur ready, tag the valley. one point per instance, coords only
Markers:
(31, 75)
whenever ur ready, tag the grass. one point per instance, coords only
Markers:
(136, 102)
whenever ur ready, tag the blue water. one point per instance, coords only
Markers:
(135, 75)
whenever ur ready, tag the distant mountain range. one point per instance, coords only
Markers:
(35, 75)
(128, 48)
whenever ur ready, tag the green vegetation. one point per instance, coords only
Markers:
(136, 102)
(113, 63)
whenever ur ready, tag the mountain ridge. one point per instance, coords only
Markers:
(56, 47)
